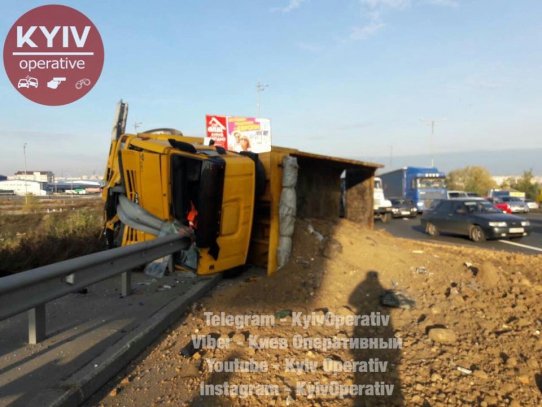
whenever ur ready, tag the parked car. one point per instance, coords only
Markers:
(403, 208)
(516, 204)
(456, 194)
(475, 218)
(532, 204)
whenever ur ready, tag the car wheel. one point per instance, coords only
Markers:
(431, 229)
(477, 234)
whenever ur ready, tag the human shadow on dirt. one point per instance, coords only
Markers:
(206, 398)
(364, 300)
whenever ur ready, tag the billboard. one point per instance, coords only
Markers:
(237, 133)
(216, 129)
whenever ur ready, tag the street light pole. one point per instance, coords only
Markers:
(25, 175)
(260, 87)
(432, 123)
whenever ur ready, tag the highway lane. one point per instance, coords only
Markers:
(411, 229)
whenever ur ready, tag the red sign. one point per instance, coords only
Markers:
(217, 130)
(53, 55)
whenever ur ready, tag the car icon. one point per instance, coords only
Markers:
(32, 82)
(28, 82)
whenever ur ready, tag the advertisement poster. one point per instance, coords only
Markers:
(217, 130)
(249, 134)
(237, 133)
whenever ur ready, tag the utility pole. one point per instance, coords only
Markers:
(432, 123)
(260, 87)
(25, 175)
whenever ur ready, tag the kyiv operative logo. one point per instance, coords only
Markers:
(53, 55)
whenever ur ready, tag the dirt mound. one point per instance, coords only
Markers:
(468, 339)
(488, 275)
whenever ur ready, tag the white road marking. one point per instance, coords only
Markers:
(538, 249)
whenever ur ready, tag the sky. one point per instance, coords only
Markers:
(352, 78)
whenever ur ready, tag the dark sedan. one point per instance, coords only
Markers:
(477, 219)
(403, 208)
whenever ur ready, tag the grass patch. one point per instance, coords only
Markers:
(36, 239)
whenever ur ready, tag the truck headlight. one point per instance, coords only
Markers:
(419, 204)
(497, 224)
(525, 223)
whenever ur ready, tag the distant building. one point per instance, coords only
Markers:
(40, 176)
(22, 187)
(3, 178)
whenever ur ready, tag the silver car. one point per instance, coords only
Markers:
(517, 205)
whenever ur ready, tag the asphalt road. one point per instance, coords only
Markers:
(411, 229)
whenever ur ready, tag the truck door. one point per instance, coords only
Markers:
(219, 192)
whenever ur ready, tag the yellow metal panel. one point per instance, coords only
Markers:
(230, 218)
(151, 194)
(165, 180)
(275, 168)
(239, 185)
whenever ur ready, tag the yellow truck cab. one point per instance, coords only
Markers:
(178, 180)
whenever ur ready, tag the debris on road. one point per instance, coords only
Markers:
(453, 329)
(442, 335)
(464, 370)
(396, 300)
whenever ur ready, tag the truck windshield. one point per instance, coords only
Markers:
(378, 184)
(427, 183)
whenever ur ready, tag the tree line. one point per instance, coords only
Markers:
(478, 179)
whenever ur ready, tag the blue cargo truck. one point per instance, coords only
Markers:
(421, 185)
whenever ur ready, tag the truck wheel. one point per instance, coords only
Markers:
(386, 217)
(477, 234)
(431, 230)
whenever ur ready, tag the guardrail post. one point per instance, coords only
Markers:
(36, 324)
(126, 282)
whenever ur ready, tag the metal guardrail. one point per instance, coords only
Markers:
(54, 197)
(31, 290)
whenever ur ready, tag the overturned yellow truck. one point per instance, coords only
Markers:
(235, 208)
